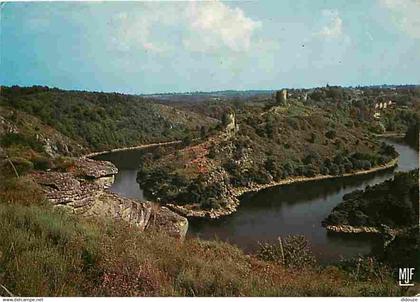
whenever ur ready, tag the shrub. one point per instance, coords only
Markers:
(22, 165)
(292, 252)
(331, 134)
(10, 139)
(212, 153)
(388, 150)
(312, 158)
(310, 171)
(336, 218)
(334, 169)
(293, 123)
(324, 170)
(42, 163)
(289, 168)
(364, 268)
(209, 203)
(63, 164)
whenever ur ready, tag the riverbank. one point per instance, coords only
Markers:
(232, 201)
(239, 191)
(378, 208)
(138, 147)
(390, 134)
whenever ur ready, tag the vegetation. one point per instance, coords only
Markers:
(412, 135)
(102, 121)
(394, 203)
(45, 251)
(292, 252)
(403, 251)
(272, 144)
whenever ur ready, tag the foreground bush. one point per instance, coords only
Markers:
(293, 252)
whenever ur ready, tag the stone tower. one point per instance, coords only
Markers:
(281, 97)
(229, 121)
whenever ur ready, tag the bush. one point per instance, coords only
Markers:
(334, 169)
(388, 150)
(324, 170)
(10, 139)
(289, 168)
(312, 158)
(292, 252)
(210, 203)
(331, 134)
(309, 171)
(364, 268)
(63, 164)
(22, 165)
(42, 163)
(273, 167)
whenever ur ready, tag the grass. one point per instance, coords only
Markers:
(48, 252)
(22, 190)
(42, 251)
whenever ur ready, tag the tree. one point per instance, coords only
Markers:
(203, 132)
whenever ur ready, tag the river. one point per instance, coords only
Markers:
(278, 211)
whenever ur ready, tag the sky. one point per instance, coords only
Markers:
(151, 47)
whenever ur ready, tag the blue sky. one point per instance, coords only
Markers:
(147, 47)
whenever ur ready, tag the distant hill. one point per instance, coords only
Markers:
(102, 121)
(199, 96)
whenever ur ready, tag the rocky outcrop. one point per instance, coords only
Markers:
(388, 234)
(94, 169)
(196, 212)
(84, 191)
(144, 215)
(352, 229)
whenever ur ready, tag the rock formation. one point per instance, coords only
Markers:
(229, 122)
(84, 191)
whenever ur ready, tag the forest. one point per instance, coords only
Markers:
(102, 121)
(394, 203)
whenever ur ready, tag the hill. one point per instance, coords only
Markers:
(257, 146)
(102, 121)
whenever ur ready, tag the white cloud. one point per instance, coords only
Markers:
(214, 25)
(405, 14)
(209, 27)
(133, 31)
(335, 42)
(334, 26)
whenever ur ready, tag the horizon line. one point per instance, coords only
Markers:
(207, 91)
